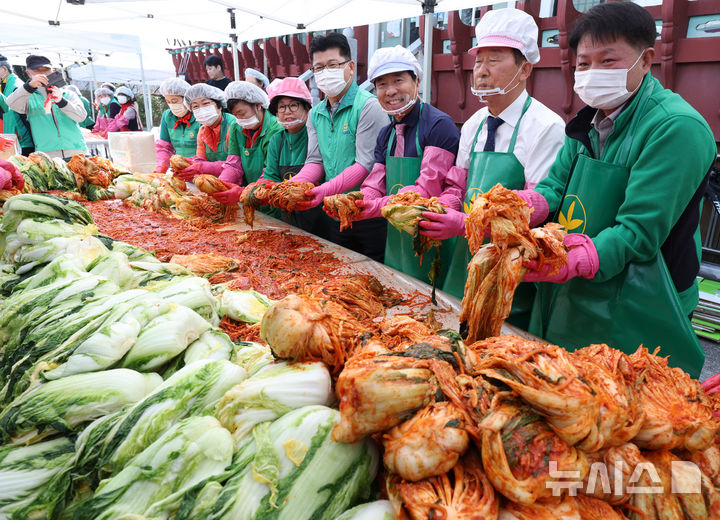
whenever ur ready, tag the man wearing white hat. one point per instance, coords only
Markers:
(513, 141)
(413, 153)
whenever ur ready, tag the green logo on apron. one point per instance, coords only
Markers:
(570, 221)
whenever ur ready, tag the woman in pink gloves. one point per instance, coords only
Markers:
(207, 103)
(248, 139)
(178, 127)
(413, 153)
(125, 117)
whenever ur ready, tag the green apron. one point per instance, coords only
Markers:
(640, 306)
(485, 171)
(399, 252)
(253, 162)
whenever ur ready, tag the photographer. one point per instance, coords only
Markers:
(52, 112)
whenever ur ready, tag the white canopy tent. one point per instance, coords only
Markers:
(179, 22)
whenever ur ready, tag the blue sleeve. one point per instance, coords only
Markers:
(382, 144)
(443, 133)
(164, 132)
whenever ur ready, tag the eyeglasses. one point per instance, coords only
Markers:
(332, 66)
(292, 107)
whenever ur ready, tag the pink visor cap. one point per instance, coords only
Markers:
(289, 87)
(508, 28)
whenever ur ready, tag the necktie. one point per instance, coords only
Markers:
(492, 126)
(400, 140)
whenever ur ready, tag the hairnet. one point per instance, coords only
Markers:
(392, 59)
(508, 27)
(125, 91)
(74, 89)
(257, 74)
(247, 92)
(108, 86)
(174, 87)
(102, 91)
(203, 90)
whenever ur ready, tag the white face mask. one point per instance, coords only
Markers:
(331, 82)
(249, 122)
(123, 99)
(604, 88)
(206, 115)
(406, 106)
(105, 100)
(292, 124)
(178, 109)
(483, 93)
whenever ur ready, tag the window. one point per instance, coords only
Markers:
(584, 5)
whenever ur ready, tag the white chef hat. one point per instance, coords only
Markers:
(508, 28)
(392, 59)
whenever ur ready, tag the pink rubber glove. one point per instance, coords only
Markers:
(229, 197)
(163, 151)
(453, 193)
(582, 261)
(189, 173)
(349, 178)
(232, 170)
(371, 208)
(374, 184)
(16, 178)
(539, 205)
(5, 179)
(311, 172)
(441, 226)
(116, 123)
(100, 127)
(207, 168)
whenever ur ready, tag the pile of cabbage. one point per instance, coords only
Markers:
(121, 397)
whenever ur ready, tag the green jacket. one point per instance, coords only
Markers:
(89, 121)
(54, 131)
(336, 132)
(290, 152)
(270, 127)
(671, 153)
(12, 121)
(182, 138)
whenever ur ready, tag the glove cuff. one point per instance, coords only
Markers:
(539, 205)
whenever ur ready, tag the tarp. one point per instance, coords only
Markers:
(83, 75)
(208, 20)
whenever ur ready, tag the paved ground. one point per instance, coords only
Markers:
(712, 359)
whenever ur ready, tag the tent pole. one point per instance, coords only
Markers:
(428, 9)
(233, 39)
(146, 95)
(236, 63)
(94, 86)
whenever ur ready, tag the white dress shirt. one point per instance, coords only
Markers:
(541, 134)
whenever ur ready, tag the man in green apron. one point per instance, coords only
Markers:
(513, 141)
(627, 185)
(413, 153)
(342, 133)
(178, 126)
(13, 123)
(52, 113)
(248, 140)
(207, 103)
